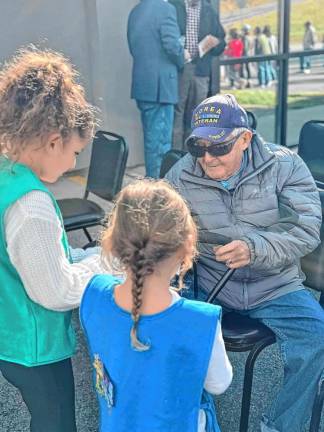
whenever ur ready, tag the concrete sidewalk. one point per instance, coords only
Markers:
(267, 376)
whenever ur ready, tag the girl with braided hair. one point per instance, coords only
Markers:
(154, 353)
(45, 122)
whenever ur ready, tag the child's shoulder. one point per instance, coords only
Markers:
(99, 288)
(100, 284)
(202, 308)
(100, 281)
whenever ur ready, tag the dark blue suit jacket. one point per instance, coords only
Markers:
(154, 42)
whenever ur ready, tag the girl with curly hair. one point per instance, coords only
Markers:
(45, 122)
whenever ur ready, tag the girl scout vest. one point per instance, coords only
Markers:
(29, 334)
(158, 390)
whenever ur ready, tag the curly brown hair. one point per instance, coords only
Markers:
(39, 95)
(149, 223)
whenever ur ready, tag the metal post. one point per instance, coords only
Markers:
(282, 102)
(215, 66)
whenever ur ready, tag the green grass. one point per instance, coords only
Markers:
(308, 10)
(228, 6)
(261, 98)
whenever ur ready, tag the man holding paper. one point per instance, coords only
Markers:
(203, 37)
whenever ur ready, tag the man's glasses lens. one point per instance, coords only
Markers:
(196, 150)
(199, 151)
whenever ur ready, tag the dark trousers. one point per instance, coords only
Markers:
(192, 90)
(48, 392)
(245, 71)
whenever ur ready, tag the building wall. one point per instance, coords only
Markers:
(116, 63)
(92, 33)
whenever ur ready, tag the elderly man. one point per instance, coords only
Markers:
(263, 198)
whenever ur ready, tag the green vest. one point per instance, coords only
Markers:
(29, 334)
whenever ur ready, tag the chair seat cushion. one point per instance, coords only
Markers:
(243, 331)
(80, 213)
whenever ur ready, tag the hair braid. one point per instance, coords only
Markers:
(149, 224)
(141, 267)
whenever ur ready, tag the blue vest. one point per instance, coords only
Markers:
(159, 390)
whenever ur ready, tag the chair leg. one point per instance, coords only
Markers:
(317, 408)
(86, 232)
(248, 379)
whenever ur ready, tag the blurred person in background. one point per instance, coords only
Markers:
(234, 49)
(309, 41)
(248, 50)
(273, 43)
(262, 48)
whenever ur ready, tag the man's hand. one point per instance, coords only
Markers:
(235, 254)
(187, 56)
(206, 44)
(211, 42)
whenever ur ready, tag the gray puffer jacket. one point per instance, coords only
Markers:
(275, 208)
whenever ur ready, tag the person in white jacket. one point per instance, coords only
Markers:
(309, 41)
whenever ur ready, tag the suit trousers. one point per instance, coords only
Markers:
(192, 90)
(157, 121)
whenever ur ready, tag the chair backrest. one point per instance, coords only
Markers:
(311, 149)
(107, 165)
(252, 120)
(169, 159)
(313, 263)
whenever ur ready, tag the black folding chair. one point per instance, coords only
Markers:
(169, 159)
(252, 120)
(240, 332)
(313, 267)
(106, 172)
(311, 149)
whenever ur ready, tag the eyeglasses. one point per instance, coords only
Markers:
(214, 150)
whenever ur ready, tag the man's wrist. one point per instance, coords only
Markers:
(251, 247)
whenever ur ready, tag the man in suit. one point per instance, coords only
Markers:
(198, 21)
(154, 43)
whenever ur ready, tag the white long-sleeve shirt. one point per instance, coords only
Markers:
(33, 234)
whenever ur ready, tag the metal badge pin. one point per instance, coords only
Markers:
(104, 386)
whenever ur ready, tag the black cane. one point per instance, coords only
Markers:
(217, 239)
(220, 285)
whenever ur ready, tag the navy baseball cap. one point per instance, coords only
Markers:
(215, 119)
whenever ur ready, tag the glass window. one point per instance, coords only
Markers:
(306, 25)
(251, 28)
(305, 95)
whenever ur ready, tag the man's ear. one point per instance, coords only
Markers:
(54, 142)
(246, 139)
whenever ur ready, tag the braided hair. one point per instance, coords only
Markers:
(149, 223)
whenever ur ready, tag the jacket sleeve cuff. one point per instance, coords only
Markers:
(251, 247)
